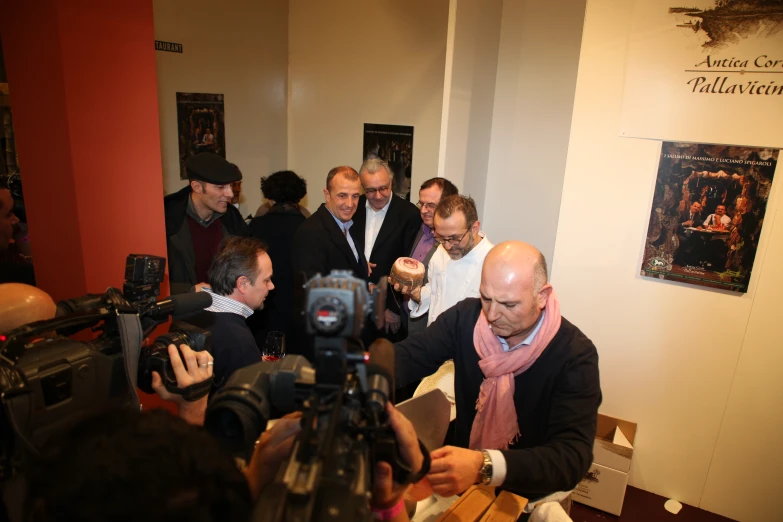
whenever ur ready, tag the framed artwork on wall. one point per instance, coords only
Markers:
(201, 124)
(707, 213)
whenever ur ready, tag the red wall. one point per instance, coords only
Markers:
(83, 87)
(84, 95)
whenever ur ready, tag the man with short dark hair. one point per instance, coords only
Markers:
(239, 280)
(198, 217)
(431, 193)
(385, 227)
(326, 241)
(455, 268)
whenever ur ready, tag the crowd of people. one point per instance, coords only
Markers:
(526, 382)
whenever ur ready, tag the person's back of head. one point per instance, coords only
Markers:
(284, 186)
(130, 466)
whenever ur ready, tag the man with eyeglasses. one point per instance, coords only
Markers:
(431, 193)
(385, 228)
(455, 269)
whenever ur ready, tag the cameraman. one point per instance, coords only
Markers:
(129, 466)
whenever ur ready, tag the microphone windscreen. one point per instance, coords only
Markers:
(192, 302)
(382, 360)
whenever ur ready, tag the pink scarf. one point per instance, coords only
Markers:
(495, 425)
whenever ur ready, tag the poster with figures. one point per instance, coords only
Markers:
(394, 145)
(707, 213)
(704, 71)
(201, 122)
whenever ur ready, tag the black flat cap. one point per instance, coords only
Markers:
(212, 168)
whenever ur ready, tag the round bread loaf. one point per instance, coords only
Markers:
(407, 271)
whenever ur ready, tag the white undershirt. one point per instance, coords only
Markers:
(373, 226)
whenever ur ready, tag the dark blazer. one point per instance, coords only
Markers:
(181, 259)
(395, 238)
(320, 247)
(276, 228)
(685, 215)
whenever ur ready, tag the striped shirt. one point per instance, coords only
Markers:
(222, 303)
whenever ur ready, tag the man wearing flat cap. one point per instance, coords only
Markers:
(198, 217)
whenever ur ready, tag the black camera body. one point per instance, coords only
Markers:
(342, 396)
(49, 382)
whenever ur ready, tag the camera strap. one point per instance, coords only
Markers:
(131, 336)
(195, 391)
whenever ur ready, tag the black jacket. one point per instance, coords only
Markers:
(181, 259)
(556, 399)
(395, 238)
(319, 247)
(276, 228)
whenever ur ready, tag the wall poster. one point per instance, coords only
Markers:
(705, 71)
(707, 213)
(394, 145)
(201, 125)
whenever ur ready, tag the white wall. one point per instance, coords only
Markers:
(239, 49)
(536, 79)
(668, 362)
(363, 61)
(469, 94)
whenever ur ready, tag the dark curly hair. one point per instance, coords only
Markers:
(284, 187)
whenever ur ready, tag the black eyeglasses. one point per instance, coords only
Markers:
(428, 206)
(452, 242)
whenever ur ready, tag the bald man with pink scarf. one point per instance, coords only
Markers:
(526, 382)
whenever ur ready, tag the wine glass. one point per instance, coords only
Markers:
(274, 348)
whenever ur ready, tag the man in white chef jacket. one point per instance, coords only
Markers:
(455, 268)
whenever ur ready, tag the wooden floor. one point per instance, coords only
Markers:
(642, 506)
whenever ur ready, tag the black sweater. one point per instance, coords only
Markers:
(233, 345)
(556, 399)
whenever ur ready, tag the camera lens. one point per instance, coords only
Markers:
(236, 419)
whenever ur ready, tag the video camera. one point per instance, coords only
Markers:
(343, 397)
(49, 382)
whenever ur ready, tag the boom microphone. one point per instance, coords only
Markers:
(178, 305)
(380, 376)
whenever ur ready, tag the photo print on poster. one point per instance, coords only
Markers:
(394, 145)
(707, 213)
(201, 126)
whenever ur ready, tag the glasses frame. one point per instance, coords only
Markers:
(428, 206)
(383, 190)
(452, 242)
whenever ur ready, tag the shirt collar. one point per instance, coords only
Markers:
(527, 341)
(381, 211)
(343, 225)
(222, 303)
(427, 231)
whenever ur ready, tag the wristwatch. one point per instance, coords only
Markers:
(485, 472)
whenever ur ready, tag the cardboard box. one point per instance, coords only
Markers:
(471, 506)
(604, 485)
(602, 488)
(613, 446)
(507, 507)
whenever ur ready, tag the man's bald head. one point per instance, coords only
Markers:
(514, 288)
(21, 304)
(522, 260)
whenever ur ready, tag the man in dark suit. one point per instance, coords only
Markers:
(323, 242)
(690, 243)
(385, 227)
